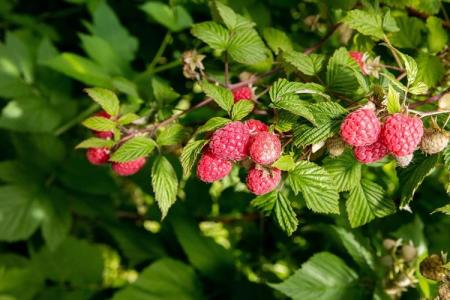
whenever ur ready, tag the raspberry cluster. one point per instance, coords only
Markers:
(238, 141)
(100, 156)
(242, 93)
(400, 136)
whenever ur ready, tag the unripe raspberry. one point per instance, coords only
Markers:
(230, 142)
(371, 153)
(97, 156)
(129, 168)
(242, 93)
(404, 161)
(361, 128)
(335, 146)
(255, 126)
(433, 141)
(401, 134)
(103, 134)
(389, 244)
(261, 182)
(211, 168)
(409, 253)
(265, 148)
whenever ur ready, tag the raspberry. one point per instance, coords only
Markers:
(401, 134)
(335, 146)
(371, 153)
(129, 167)
(242, 93)
(97, 156)
(404, 161)
(230, 142)
(260, 182)
(358, 57)
(361, 128)
(211, 168)
(103, 134)
(433, 141)
(265, 148)
(255, 126)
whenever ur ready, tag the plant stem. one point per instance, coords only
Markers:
(160, 52)
(322, 40)
(393, 51)
(167, 66)
(73, 122)
(423, 114)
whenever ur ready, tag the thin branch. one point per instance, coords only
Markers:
(322, 40)
(430, 99)
(424, 114)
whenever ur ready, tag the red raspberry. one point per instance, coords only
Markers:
(261, 182)
(97, 156)
(211, 168)
(361, 128)
(265, 148)
(129, 167)
(255, 126)
(242, 93)
(103, 134)
(230, 142)
(371, 153)
(401, 134)
(359, 58)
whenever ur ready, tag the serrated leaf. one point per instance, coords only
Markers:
(162, 91)
(389, 23)
(190, 154)
(165, 184)
(446, 156)
(393, 101)
(213, 124)
(394, 81)
(437, 36)
(277, 40)
(365, 22)
(307, 64)
(325, 112)
(410, 67)
(265, 203)
(316, 185)
(171, 135)
(232, 20)
(296, 106)
(412, 176)
(212, 33)
(133, 149)
(222, 96)
(341, 73)
(95, 143)
(418, 88)
(286, 121)
(431, 69)
(444, 209)
(106, 99)
(99, 124)
(410, 34)
(324, 276)
(306, 135)
(175, 18)
(241, 109)
(284, 163)
(366, 202)
(246, 47)
(128, 118)
(345, 170)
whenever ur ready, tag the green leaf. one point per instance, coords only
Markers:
(410, 34)
(20, 212)
(246, 47)
(213, 124)
(67, 263)
(367, 23)
(232, 20)
(324, 276)
(106, 99)
(307, 135)
(437, 36)
(444, 209)
(211, 259)
(418, 88)
(172, 135)
(284, 163)
(190, 154)
(284, 215)
(431, 69)
(325, 112)
(212, 33)
(345, 170)
(80, 68)
(133, 149)
(95, 143)
(128, 118)
(366, 202)
(222, 96)
(412, 176)
(175, 18)
(306, 64)
(316, 186)
(241, 109)
(393, 101)
(286, 121)
(341, 73)
(265, 203)
(277, 40)
(165, 184)
(389, 23)
(164, 285)
(162, 91)
(410, 67)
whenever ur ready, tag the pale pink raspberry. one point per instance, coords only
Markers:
(401, 134)
(261, 182)
(371, 153)
(210, 168)
(128, 168)
(361, 128)
(265, 148)
(97, 156)
(230, 142)
(255, 126)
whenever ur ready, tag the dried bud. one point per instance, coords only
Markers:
(404, 161)
(192, 64)
(372, 67)
(335, 146)
(432, 268)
